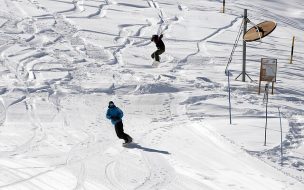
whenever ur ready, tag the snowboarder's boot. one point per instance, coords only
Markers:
(130, 139)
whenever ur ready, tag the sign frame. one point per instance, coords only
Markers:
(268, 71)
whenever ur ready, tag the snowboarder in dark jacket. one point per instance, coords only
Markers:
(115, 115)
(160, 46)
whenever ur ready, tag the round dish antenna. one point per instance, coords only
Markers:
(259, 31)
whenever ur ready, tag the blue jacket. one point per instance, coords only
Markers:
(114, 114)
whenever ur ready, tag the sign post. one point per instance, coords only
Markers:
(281, 137)
(243, 73)
(266, 97)
(257, 32)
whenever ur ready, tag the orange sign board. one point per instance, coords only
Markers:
(259, 31)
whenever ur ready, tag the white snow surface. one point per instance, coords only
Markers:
(62, 61)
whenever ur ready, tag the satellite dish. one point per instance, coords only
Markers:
(259, 31)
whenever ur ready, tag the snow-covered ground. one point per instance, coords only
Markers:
(62, 61)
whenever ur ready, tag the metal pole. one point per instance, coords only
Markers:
(292, 47)
(223, 6)
(244, 46)
(229, 96)
(281, 137)
(266, 91)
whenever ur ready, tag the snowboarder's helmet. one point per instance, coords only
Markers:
(111, 104)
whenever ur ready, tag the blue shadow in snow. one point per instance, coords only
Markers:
(135, 145)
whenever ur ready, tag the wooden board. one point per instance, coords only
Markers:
(263, 30)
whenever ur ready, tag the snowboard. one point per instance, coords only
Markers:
(127, 144)
(155, 63)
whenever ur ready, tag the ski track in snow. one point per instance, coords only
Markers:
(205, 39)
(160, 172)
(19, 72)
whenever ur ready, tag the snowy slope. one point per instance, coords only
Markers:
(62, 61)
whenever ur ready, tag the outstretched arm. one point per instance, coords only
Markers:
(108, 115)
(161, 36)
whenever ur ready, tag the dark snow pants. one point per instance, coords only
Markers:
(120, 131)
(157, 53)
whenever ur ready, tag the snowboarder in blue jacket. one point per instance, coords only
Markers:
(115, 115)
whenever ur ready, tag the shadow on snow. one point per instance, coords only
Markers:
(135, 145)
